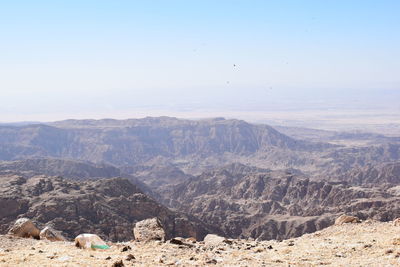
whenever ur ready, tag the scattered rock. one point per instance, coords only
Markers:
(396, 241)
(258, 250)
(192, 239)
(130, 257)
(346, 219)
(180, 241)
(389, 251)
(150, 229)
(119, 263)
(396, 222)
(212, 261)
(176, 241)
(51, 234)
(126, 248)
(24, 227)
(214, 240)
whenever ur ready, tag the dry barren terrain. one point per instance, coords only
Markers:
(364, 244)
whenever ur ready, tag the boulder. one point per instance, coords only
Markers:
(51, 234)
(150, 229)
(214, 240)
(24, 227)
(346, 219)
(90, 241)
(396, 222)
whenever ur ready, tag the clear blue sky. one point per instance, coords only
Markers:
(81, 56)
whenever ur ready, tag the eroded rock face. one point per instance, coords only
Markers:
(346, 219)
(150, 229)
(268, 204)
(24, 227)
(51, 234)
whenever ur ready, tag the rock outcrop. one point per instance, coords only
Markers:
(150, 229)
(214, 240)
(346, 219)
(24, 227)
(51, 234)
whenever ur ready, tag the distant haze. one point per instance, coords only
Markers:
(270, 61)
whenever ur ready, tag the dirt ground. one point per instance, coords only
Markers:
(364, 244)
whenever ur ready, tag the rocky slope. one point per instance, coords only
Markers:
(67, 168)
(364, 244)
(108, 207)
(386, 173)
(251, 202)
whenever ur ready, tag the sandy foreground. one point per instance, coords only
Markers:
(364, 244)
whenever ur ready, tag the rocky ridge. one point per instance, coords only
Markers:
(107, 207)
(191, 145)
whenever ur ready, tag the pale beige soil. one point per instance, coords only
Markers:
(364, 244)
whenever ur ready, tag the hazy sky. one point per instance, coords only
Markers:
(77, 58)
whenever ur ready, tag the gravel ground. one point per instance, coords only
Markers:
(364, 244)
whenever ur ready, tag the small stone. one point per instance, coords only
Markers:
(389, 251)
(258, 250)
(130, 257)
(126, 248)
(108, 258)
(212, 261)
(40, 251)
(119, 263)
(367, 245)
(269, 247)
(176, 241)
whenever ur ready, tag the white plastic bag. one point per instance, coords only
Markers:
(90, 241)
